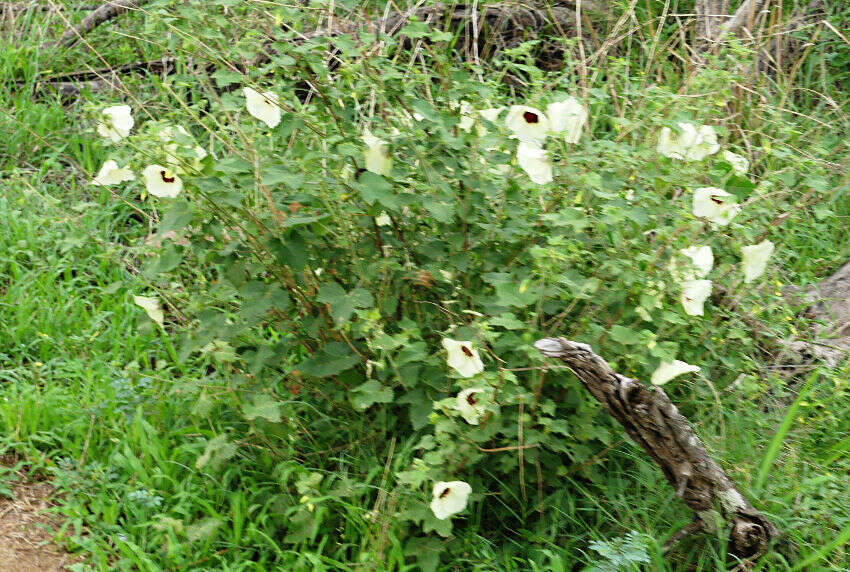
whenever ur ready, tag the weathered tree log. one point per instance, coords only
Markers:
(827, 302)
(104, 13)
(654, 422)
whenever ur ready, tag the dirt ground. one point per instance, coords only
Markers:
(24, 539)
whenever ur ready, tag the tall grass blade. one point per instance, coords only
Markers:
(776, 443)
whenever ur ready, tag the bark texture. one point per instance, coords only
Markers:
(103, 13)
(654, 422)
(828, 303)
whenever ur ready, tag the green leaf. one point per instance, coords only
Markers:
(441, 527)
(513, 294)
(331, 359)
(442, 212)
(364, 396)
(274, 175)
(425, 552)
(342, 305)
(259, 297)
(169, 259)
(571, 217)
(263, 406)
(301, 527)
(225, 77)
(178, 216)
(233, 166)
(416, 30)
(375, 188)
(508, 321)
(624, 336)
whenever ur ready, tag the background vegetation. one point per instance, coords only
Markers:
(295, 408)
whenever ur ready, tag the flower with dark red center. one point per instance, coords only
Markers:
(471, 403)
(527, 124)
(162, 182)
(462, 358)
(449, 498)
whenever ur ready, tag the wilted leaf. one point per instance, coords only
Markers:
(217, 451)
(263, 406)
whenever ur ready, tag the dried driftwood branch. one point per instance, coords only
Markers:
(745, 14)
(104, 13)
(17, 7)
(652, 421)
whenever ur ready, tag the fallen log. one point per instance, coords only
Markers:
(828, 304)
(103, 13)
(490, 28)
(654, 422)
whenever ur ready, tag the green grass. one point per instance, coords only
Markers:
(90, 395)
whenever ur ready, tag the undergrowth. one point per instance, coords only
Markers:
(294, 408)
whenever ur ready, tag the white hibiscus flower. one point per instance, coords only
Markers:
(462, 358)
(115, 122)
(715, 204)
(702, 258)
(739, 163)
(376, 154)
(755, 259)
(534, 160)
(527, 124)
(471, 404)
(491, 113)
(567, 118)
(449, 498)
(111, 174)
(693, 296)
(162, 182)
(691, 144)
(263, 106)
(668, 370)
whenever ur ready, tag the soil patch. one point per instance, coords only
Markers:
(25, 540)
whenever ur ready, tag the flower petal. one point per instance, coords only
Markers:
(111, 174)
(449, 498)
(740, 164)
(151, 307)
(535, 162)
(755, 259)
(115, 122)
(668, 370)
(471, 405)
(715, 204)
(702, 258)
(263, 106)
(376, 155)
(694, 294)
(567, 118)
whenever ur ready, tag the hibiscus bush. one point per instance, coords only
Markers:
(371, 257)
